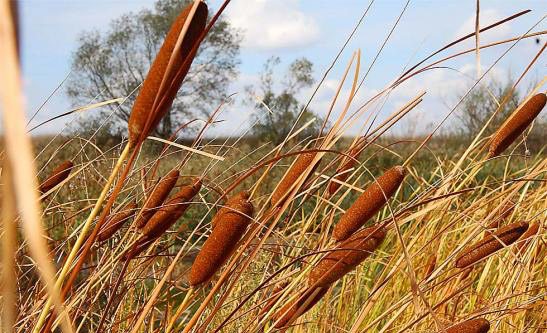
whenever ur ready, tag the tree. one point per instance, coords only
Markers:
(113, 64)
(482, 102)
(284, 105)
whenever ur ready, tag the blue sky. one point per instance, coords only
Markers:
(296, 28)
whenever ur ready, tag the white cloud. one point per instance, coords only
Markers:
(271, 24)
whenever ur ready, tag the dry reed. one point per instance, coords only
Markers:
(299, 166)
(157, 197)
(160, 72)
(116, 221)
(430, 266)
(229, 228)
(346, 256)
(516, 125)
(479, 325)
(342, 171)
(507, 235)
(503, 213)
(369, 203)
(56, 176)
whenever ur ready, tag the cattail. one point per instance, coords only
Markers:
(511, 130)
(354, 152)
(479, 325)
(346, 256)
(299, 166)
(234, 203)
(293, 309)
(172, 77)
(116, 221)
(57, 176)
(171, 212)
(430, 266)
(164, 218)
(507, 235)
(369, 203)
(228, 230)
(156, 198)
(526, 238)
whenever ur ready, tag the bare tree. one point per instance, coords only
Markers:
(113, 64)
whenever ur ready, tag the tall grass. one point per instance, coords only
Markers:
(256, 238)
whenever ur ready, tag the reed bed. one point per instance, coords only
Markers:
(334, 241)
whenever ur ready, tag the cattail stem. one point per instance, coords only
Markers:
(180, 309)
(81, 237)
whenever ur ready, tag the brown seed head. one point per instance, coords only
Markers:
(513, 128)
(299, 166)
(354, 152)
(346, 256)
(115, 221)
(158, 72)
(526, 238)
(232, 204)
(479, 325)
(293, 308)
(157, 197)
(369, 203)
(507, 234)
(164, 217)
(57, 176)
(229, 228)
(274, 296)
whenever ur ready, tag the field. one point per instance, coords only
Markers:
(322, 233)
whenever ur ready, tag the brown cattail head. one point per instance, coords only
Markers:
(526, 238)
(349, 163)
(298, 168)
(57, 176)
(164, 217)
(511, 130)
(346, 256)
(507, 235)
(299, 306)
(115, 221)
(236, 202)
(172, 78)
(479, 325)
(430, 266)
(369, 203)
(228, 230)
(156, 198)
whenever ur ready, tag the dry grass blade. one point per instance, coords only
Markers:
(503, 213)
(157, 197)
(304, 302)
(20, 157)
(479, 325)
(505, 236)
(296, 170)
(516, 125)
(143, 110)
(346, 256)
(230, 226)
(58, 174)
(116, 221)
(369, 203)
(354, 152)
(9, 252)
(430, 266)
